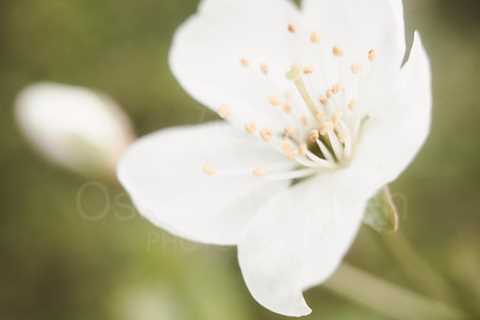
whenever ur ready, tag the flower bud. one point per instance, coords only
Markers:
(74, 127)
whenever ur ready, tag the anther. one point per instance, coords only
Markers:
(356, 68)
(308, 70)
(274, 101)
(292, 28)
(336, 118)
(303, 121)
(251, 128)
(329, 93)
(224, 112)
(244, 62)
(302, 150)
(325, 128)
(288, 150)
(258, 172)
(266, 135)
(337, 88)
(264, 68)
(319, 115)
(372, 55)
(337, 52)
(352, 104)
(209, 170)
(314, 37)
(289, 132)
(324, 100)
(287, 108)
(314, 135)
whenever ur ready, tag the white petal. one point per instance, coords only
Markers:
(73, 126)
(207, 50)
(163, 174)
(298, 239)
(360, 25)
(399, 127)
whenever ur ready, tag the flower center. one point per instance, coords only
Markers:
(324, 129)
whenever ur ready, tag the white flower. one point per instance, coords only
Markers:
(74, 127)
(317, 93)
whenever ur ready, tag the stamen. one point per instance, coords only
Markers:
(325, 152)
(244, 62)
(314, 135)
(324, 100)
(224, 112)
(372, 55)
(352, 105)
(356, 68)
(325, 128)
(319, 115)
(251, 128)
(337, 52)
(288, 150)
(295, 75)
(293, 174)
(292, 28)
(264, 68)
(209, 170)
(266, 135)
(274, 101)
(303, 121)
(258, 172)
(336, 145)
(287, 108)
(289, 132)
(314, 37)
(308, 70)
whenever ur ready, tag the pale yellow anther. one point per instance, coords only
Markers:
(288, 150)
(308, 70)
(319, 115)
(266, 135)
(251, 128)
(326, 127)
(274, 101)
(287, 108)
(329, 93)
(244, 62)
(356, 68)
(302, 150)
(372, 55)
(314, 135)
(314, 37)
(209, 170)
(352, 104)
(303, 121)
(289, 132)
(337, 52)
(292, 28)
(337, 88)
(336, 118)
(258, 172)
(264, 68)
(324, 100)
(224, 112)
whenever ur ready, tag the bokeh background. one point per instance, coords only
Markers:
(72, 247)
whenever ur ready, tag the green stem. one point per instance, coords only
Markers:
(417, 269)
(386, 298)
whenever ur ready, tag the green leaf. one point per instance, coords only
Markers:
(381, 213)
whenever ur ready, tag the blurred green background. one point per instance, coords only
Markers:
(72, 247)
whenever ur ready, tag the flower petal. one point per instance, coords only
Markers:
(298, 239)
(163, 174)
(210, 47)
(397, 130)
(360, 25)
